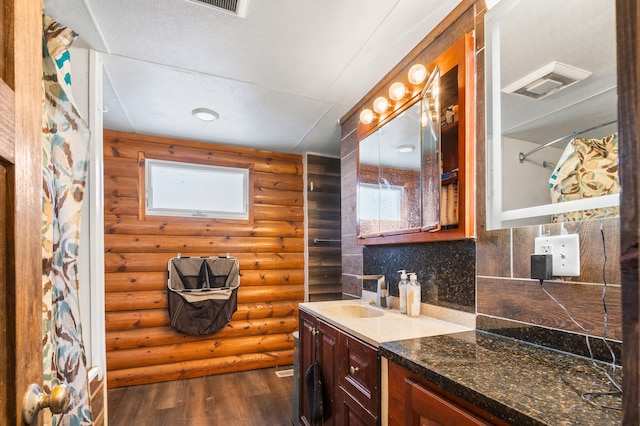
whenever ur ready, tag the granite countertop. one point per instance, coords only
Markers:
(520, 383)
(389, 324)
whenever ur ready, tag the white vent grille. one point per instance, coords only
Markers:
(236, 7)
(547, 80)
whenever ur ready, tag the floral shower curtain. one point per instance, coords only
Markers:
(587, 168)
(65, 138)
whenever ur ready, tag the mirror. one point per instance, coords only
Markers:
(431, 159)
(551, 101)
(389, 176)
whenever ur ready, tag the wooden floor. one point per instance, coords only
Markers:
(248, 398)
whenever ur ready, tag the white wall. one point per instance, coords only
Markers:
(86, 75)
(529, 174)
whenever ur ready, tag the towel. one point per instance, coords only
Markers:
(313, 381)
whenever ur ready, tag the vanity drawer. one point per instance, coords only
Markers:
(360, 373)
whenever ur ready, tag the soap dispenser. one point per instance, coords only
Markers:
(413, 296)
(402, 291)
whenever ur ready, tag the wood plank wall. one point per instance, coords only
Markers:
(323, 222)
(98, 392)
(141, 346)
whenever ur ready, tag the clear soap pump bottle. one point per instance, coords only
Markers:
(413, 296)
(402, 291)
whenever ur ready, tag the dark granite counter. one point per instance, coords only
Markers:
(520, 383)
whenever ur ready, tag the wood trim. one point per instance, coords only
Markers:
(7, 109)
(23, 73)
(627, 26)
(141, 190)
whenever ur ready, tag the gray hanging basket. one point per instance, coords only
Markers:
(203, 293)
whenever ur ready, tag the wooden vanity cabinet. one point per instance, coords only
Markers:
(319, 341)
(359, 382)
(415, 401)
(350, 374)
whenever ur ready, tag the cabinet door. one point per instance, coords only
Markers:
(426, 408)
(306, 356)
(360, 373)
(328, 352)
(319, 341)
(354, 414)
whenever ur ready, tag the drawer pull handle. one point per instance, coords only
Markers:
(353, 370)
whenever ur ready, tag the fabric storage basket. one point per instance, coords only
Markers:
(203, 293)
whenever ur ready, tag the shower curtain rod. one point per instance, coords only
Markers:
(522, 156)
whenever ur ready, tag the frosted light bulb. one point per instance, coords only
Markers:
(417, 74)
(397, 91)
(367, 116)
(380, 104)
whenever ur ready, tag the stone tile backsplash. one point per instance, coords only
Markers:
(446, 270)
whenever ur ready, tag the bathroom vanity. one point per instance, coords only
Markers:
(344, 338)
(380, 367)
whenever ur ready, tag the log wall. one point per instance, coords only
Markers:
(141, 345)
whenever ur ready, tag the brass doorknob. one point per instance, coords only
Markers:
(353, 370)
(35, 400)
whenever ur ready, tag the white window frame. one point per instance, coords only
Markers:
(225, 184)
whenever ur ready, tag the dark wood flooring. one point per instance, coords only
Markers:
(248, 398)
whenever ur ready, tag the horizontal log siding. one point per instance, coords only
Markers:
(141, 345)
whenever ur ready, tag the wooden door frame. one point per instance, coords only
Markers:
(22, 72)
(627, 25)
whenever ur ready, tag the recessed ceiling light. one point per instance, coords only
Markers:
(405, 148)
(205, 114)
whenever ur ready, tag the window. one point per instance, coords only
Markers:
(197, 190)
(378, 202)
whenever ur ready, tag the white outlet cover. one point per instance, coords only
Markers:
(565, 250)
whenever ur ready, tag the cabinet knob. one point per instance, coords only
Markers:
(353, 370)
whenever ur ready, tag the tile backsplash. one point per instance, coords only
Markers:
(445, 270)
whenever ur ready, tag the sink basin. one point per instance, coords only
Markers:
(353, 311)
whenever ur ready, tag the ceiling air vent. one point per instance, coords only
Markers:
(547, 80)
(235, 7)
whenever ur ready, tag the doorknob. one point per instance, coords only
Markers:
(35, 400)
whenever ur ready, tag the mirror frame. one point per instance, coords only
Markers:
(497, 218)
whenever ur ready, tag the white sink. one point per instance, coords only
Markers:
(353, 311)
(375, 325)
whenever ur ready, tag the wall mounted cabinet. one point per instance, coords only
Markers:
(430, 196)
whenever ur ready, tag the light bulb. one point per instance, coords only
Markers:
(424, 119)
(417, 74)
(397, 91)
(367, 116)
(380, 104)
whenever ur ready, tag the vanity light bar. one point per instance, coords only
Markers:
(397, 91)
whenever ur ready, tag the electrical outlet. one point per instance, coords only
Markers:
(565, 251)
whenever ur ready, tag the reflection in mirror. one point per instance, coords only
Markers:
(430, 119)
(389, 180)
(551, 112)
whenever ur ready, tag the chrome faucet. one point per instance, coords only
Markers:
(382, 293)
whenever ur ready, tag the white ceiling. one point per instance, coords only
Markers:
(280, 78)
(580, 33)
